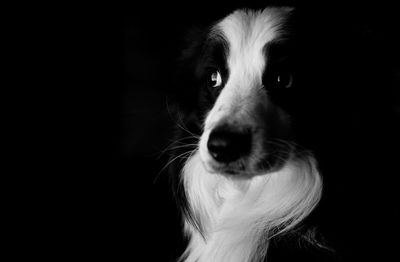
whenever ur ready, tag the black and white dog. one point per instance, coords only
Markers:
(245, 179)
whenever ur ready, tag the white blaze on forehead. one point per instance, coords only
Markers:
(247, 32)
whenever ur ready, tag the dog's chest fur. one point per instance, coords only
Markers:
(235, 216)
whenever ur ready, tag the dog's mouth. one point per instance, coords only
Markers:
(226, 169)
(256, 163)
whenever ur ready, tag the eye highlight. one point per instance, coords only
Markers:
(283, 80)
(278, 80)
(215, 79)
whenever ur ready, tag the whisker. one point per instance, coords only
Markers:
(177, 142)
(180, 125)
(185, 145)
(189, 153)
(177, 147)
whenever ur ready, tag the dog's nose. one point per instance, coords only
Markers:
(226, 145)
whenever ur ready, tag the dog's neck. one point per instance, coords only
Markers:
(236, 217)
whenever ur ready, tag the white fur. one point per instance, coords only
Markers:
(238, 216)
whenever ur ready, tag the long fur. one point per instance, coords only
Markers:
(233, 218)
(239, 217)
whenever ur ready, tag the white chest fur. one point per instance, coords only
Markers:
(239, 216)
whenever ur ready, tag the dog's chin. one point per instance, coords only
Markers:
(224, 169)
(242, 168)
(238, 169)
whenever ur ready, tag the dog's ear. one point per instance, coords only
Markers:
(186, 82)
(183, 100)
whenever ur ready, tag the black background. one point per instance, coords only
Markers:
(107, 196)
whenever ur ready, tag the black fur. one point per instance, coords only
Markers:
(337, 108)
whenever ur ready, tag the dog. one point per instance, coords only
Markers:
(242, 177)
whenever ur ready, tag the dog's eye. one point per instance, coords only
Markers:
(284, 80)
(215, 79)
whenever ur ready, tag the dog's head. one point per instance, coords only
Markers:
(244, 83)
(241, 101)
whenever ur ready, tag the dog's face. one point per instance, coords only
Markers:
(245, 73)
